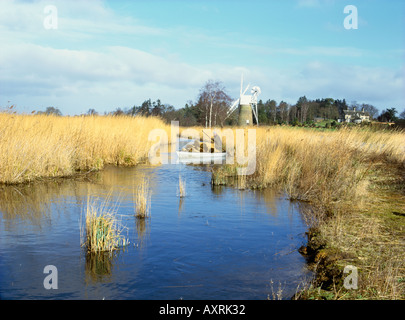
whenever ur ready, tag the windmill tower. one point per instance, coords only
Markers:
(246, 105)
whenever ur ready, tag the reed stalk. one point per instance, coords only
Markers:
(182, 187)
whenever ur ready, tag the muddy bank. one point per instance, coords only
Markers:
(322, 260)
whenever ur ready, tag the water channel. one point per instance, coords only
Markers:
(215, 243)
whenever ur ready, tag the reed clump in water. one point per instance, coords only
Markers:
(182, 187)
(103, 230)
(142, 199)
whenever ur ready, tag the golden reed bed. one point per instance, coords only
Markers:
(36, 146)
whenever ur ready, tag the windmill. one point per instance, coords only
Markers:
(246, 104)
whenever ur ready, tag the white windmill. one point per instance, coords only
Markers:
(246, 104)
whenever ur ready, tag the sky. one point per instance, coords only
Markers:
(77, 55)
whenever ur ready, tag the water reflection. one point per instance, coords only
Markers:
(142, 229)
(32, 202)
(98, 267)
(181, 203)
(218, 190)
(27, 203)
(269, 198)
(230, 239)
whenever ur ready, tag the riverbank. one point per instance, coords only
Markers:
(39, 146)
(370, 237)
(354, 181)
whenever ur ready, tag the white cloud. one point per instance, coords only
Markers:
(124, 74)
(77, 21)
(121, 76)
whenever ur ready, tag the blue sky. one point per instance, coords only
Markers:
(109, 54)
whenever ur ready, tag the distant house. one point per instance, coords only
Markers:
(355, 116)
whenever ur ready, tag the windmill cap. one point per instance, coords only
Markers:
(256, 89)
(245, 99)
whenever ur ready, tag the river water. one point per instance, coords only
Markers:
(216, 243)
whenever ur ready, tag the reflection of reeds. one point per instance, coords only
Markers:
(142, 198)
(26, 203)
(98, 266)
(182, 187)
(143, 230)
(103, 230)
(241, 179)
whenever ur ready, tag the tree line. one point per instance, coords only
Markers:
(213, 102)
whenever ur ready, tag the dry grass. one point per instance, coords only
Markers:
(37, 146)
(321, 167)
(325, 167)
(142, 199)
(368, 242)
(241, 182)
(350, 177)
(275, 295)
(337, 172)
(103, 230)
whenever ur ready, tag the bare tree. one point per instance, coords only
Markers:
(372, 111)
(284, 111)
(273, 111)
(213, 102)
(92, 112)
(304, 112)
